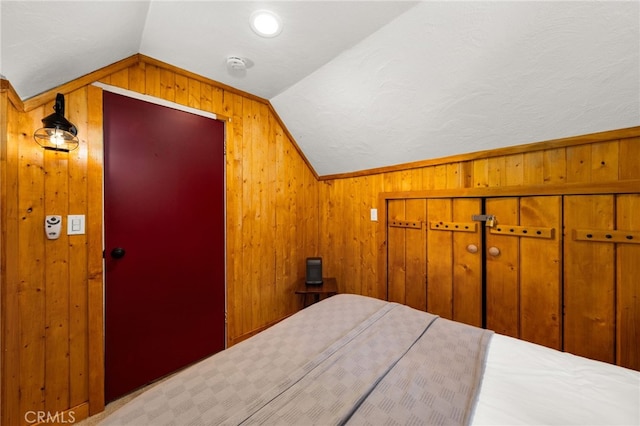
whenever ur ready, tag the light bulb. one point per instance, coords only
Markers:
(57, 137)
(265, 23)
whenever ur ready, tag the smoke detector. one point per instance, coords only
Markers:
(236, 63)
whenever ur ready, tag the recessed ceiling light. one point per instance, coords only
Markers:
(266, 23)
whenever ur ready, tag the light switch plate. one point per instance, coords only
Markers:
(75, 224)
(374, 215)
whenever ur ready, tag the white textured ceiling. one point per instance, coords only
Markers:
(365, 84)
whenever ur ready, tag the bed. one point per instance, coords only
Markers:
(356, 360)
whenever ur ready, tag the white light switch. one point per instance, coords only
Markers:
(374, 215)
(75, 224)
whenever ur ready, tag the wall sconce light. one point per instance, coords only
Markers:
(58, 134)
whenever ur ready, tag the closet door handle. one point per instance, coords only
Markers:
(494, 251)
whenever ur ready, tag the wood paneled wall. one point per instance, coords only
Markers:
(353, 245)
(278, 213)
(52, 290)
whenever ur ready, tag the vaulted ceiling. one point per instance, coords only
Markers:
(364, 84)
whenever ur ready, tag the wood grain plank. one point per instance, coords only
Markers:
(533, 170)
(604, 157)
(234, 179)
(496, 173)
(206, 98)
(272, 298)
(393, 180)
(629, 152)
(32, 274)
(373, 242)
(481, 173)
(194, 94)
(554, 165)
(254, 215)
(182, 89)
(455, 175)
(428, 177)
(286, 225)
(467, 174)
(467, 266)
(514, 170)
(218, 103)
(167, 84)
(579, 163)
(77, 255)
(541, 273)
(416, 256)
(57, 367)
(440, 268)
(628, 285)
(137, 80)
(153, 84)
(329, 216)
(589, 279)
(340, 258)
(95, 285)
(10, 355)
(397, 252)
(355, 213)
(503, 270)
(250, 296)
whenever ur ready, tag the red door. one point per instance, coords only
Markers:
(164, 241)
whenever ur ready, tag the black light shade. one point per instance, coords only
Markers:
(58, 134)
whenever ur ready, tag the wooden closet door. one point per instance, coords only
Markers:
(628, 282)
(524, 269)
(407, 252)
(601, 285)
(454, 270)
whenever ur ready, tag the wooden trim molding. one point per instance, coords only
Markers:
(70, 416)
(5, 86)
(245, 336)
(94, 248)
(85, 80)
(631, 132)
(97, 75)
(615, 187)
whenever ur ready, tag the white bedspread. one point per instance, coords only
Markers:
(528, 384)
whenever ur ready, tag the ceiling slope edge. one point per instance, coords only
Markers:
(603, 136)
(95, 76)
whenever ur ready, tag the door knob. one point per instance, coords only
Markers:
(494, 251)
(118, 253)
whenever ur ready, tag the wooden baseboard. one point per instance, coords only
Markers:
(66, 417)
(245, 336)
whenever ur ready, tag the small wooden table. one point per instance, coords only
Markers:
(329, 287)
